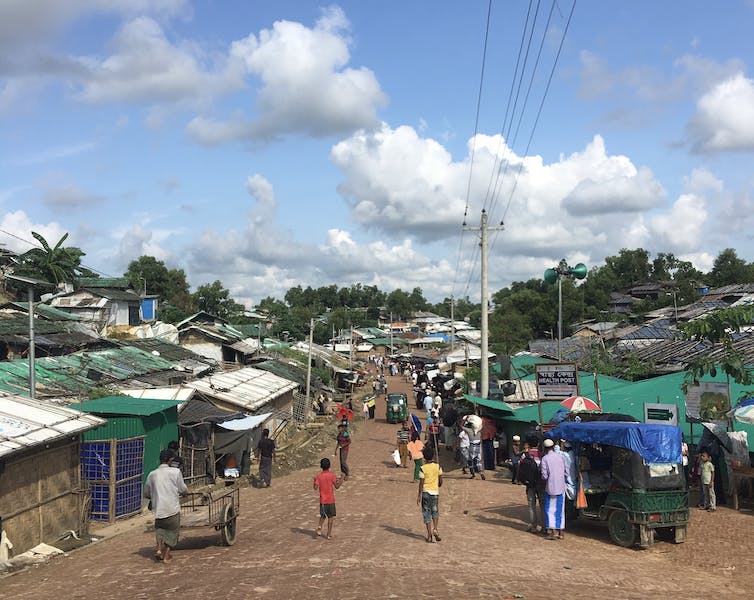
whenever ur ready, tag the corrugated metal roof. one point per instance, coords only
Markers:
(48, 312)
(106, 282)
(284, 370)
(77, 373)
(246, 388)
(125, 405)
(26, 423)
(180, 393)
(115, 294)
(19, 325)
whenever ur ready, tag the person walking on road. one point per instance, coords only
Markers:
(416, 448)
(430, 481)
(163, 488)
(343, 444)
(403, 438)
(463, 447)
(326, 483)
(530, 475)
(266, 449)
(555, 474)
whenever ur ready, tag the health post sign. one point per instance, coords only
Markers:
(557, 381)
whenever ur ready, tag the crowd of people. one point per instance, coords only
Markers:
(546, 468)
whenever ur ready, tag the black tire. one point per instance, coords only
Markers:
(622, 531)
(228, 530)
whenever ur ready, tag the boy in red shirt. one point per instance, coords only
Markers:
(326, 483)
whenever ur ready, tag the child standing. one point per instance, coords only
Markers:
(415, 448)
(707, 475)
(326, 483)
(430, 480)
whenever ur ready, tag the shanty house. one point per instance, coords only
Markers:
(41, 495)
(118, 455)
(102, 307)
(213, 338)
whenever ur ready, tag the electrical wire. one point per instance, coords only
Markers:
(36, 245)
(541, 106)
(475, 250)
(512, 142)
(473, 146)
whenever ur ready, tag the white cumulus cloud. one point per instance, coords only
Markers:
(307, 87)
(724, 120)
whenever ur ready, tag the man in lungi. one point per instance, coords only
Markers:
(554, 474)
(163, 488)
(266, 449)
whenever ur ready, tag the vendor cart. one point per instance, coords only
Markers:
(216, 508)
(631, 476)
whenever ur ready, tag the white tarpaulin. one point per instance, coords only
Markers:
(245, 423)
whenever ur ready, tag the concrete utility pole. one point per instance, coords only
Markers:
(31, 283)
(309, 374)
(391, 333)
(452, 325)
(483, 229)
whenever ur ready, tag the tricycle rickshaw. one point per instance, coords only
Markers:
(215, 508)
(397, 408)
(632, 478)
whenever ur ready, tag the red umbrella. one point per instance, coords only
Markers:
(579, 404)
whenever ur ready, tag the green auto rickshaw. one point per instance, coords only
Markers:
(632, 477)
(397, 408)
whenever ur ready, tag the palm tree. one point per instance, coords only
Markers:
(56, 264)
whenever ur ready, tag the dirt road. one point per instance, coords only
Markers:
(378, 550)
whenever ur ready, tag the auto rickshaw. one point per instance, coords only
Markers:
(632, 477)
(397, 408)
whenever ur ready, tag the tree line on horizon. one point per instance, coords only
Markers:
(520, 312)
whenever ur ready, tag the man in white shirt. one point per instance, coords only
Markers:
(163, 488)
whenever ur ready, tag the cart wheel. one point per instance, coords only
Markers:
(228, 531)
(622, 532)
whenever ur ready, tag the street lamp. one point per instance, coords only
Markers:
(557, 274)
(31, 282)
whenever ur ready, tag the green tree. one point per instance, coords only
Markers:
(729, 268)
(630, 266)
(56, 264)
(214, 299)
(510, 332)
(717, 328)
(399, 303)
(148, 273)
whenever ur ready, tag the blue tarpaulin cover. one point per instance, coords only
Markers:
(655, 443)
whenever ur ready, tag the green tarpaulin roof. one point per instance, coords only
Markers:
(497, 405)
(125, 405)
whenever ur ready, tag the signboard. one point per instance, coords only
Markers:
(708, 401)
(661, 414)
(557, 381)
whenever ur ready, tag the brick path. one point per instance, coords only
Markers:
(378, 550)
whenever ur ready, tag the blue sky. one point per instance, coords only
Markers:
(269, 144)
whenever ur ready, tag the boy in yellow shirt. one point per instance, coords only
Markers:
(430, 480)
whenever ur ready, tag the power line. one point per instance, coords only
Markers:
(473, 146)
(475, 250)
(505, 134)
(541, 105)
(36, 245)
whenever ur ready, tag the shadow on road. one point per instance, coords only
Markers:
(401, 531)
(197, 542)
(309, 532)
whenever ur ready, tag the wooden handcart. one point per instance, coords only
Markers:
(215, 508)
